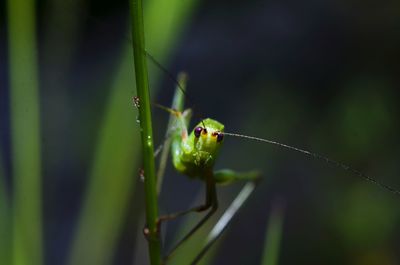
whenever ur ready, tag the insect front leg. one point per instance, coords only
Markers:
(178, 120)
(174, 124)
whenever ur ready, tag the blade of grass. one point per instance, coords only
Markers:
(98, 227)
(226, 218)
(165, 20)
(191, 248)
(5, 220)
(177, 104)
(60, 41)
(188, 251)
(146, 131)
(273, 236)
(199, 250)
(25, 131)
(112, 179)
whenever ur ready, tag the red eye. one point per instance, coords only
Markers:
(197, 131)
(220, 137)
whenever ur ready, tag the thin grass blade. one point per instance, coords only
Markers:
(114, 169)
(273, 236)
(25, 131)
(5, 220)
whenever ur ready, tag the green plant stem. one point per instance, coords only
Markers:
(5, 220)
(273, 235)
(142, 86)
(102, 217)
(25, 131)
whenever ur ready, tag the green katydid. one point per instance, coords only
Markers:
(181, 124)
(204, 152)
(194, 155)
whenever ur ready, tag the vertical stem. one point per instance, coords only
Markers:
(25, 131)
(177, 104)
(273, 235)
(142, 85)
(5, 219)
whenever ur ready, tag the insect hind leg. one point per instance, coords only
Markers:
(211, 205)
(226, 218)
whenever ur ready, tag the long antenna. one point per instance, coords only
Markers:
(320, 157)
(156, 62)
(175, 81)
(167, 73)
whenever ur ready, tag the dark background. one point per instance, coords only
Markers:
(319, 75)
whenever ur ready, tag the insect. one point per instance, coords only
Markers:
(228, 127)
(195, 152)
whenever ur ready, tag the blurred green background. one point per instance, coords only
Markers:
(319, 75)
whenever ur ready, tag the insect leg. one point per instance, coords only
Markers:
(226, 218)
(177, 119)
(227, 176)
(211, 201)
(172, 127)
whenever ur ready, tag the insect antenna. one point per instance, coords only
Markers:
(156, 63)
(168, 74)
(320, 157)
(175, 81)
